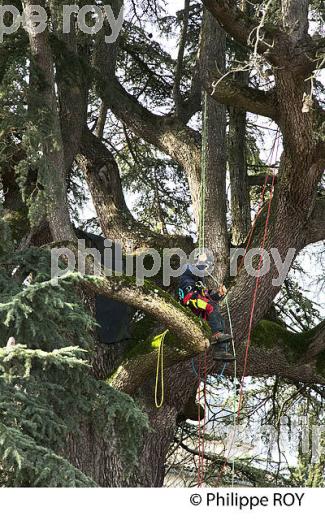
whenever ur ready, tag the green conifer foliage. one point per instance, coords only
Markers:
(46, 387)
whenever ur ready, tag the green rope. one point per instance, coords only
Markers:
(235, 402)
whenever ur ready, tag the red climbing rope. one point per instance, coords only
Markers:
(199, 475)
(202, 429)
(273, 153)
(257, 284)
(274, 149)
(205, 376)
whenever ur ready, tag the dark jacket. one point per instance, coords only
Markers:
(189, 280)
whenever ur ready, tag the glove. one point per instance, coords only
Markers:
(219, 294)
(222, 291)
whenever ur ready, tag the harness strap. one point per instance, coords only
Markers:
(201, 304)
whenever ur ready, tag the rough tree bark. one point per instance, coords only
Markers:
(213, 53)
(240, 196)
(72, 95)
(44, 97)
(177, 95)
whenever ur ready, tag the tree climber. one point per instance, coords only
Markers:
(203, 302)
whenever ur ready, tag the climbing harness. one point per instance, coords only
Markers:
(159, 342)
(198, 299)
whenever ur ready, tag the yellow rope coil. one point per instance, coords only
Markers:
(159, 342)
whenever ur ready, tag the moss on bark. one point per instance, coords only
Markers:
(268, 334)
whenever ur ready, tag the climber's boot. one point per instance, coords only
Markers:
(220, 337)
(222, 355)
(219, 343)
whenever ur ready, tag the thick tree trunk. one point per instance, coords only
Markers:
(240, 199)
(213, 50)
(100, 459)
(295, 18)
(237, 152)
(42, 96)
(73, 97)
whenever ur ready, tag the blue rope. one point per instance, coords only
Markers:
(193, 368)
(223, 370)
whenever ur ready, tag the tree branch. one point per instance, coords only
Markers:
(155, 302)
(292, 356)
(185, 330)
(117, 222)
(251, 473)
(241, 27)
(103, 178)
(230, 92)
(168, 133)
